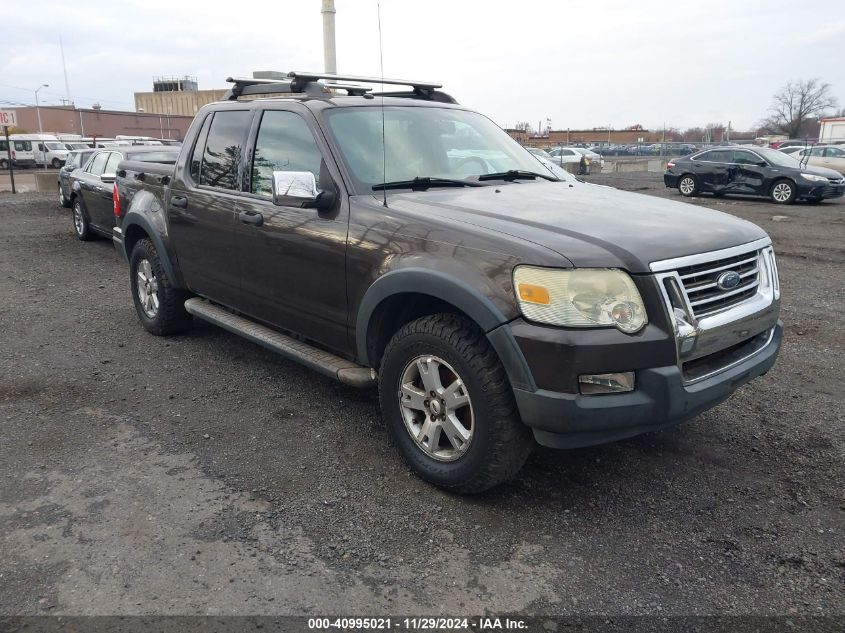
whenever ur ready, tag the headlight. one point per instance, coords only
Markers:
(581, 297)
(815, 178)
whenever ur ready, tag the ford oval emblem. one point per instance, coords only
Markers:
(728, 280)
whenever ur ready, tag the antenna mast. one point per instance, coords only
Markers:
(383, 143)
(64, 68)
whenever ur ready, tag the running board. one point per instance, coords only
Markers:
(324, 362)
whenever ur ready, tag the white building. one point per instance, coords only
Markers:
(832, 130)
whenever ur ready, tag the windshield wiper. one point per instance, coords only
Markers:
(423, 183)
(516, 174)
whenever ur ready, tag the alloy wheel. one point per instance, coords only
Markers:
(147, 285)
(436, 408)
(687, 186)
(782, 192)
(78, 220)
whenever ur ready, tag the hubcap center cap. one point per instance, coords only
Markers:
(435, 407)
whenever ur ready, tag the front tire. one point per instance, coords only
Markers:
(62, 199)
(688, 186)
(56, 163)
(160, 306)
(448, 405)
(783, 192)
(81, 226)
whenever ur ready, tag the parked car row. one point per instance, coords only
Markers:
(88, 186)
(49, 150)
(758, 171)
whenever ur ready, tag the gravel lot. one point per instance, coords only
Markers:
(202, 474)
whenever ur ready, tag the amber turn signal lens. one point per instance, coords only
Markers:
(534, 294)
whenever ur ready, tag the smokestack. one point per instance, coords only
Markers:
(329, 56)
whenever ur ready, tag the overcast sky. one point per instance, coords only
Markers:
(581, 64)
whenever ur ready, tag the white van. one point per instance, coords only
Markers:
(38, 149)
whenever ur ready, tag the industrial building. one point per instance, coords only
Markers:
(176, 96)
(98, 122)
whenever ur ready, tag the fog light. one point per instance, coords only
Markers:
(592, 384)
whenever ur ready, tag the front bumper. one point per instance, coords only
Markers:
(820, 191)
(661, 399)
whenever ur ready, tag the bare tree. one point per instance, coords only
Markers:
(798, 103)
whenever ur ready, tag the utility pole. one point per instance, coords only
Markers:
(329, 53)
(40, 131)
(38, 107)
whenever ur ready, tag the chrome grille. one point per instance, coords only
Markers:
(700, 283)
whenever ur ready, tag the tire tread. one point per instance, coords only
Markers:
(172, 318)
(511, 441)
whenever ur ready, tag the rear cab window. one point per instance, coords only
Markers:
(219, 157)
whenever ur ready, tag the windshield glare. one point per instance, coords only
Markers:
(776, 157)
(423, 142)
(55, 146)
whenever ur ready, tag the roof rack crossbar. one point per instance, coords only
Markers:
(300, 77)
(309, 83)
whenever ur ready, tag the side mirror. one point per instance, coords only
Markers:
(299, 189)
(762, 163)
(294, 188)
(107, 177)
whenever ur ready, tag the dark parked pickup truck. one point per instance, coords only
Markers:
(492, 303)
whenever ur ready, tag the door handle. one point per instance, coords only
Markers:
(180, 202)
(247, 217)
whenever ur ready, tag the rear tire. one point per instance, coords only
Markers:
(688, 186)
(160, 306)
(81, 226)
(4, 163)
(480, 439)
(783, 192)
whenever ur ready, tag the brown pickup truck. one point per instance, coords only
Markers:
(399, 240)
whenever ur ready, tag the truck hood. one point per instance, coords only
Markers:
(590, 225)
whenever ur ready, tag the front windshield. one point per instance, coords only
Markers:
(55, 146)
(76, 145)
(776, 157)
(423, 142)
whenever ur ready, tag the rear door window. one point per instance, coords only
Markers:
(111, 164)
(98, 164)
(717, 156)
(23, 146)
(221, 160)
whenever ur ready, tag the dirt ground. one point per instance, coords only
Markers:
(202, 474)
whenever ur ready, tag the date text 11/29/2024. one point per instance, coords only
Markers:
(417, 624)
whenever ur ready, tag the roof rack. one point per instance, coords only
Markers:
(299, 82)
